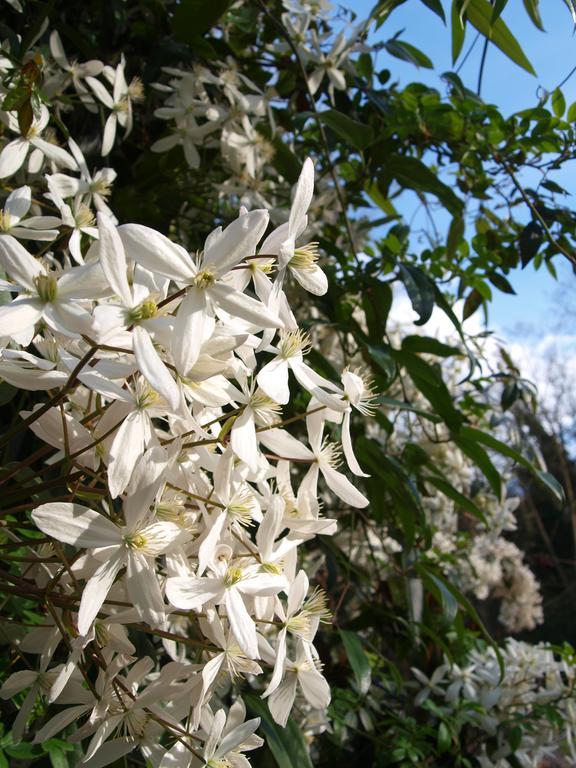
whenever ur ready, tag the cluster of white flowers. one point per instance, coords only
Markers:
(167, 374)
(520, 710)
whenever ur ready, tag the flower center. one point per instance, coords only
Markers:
(305, 257)
(233, 576)
(204, 279)
(144, 311)
(294, 343)
(47, 287)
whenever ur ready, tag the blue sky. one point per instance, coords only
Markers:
(535, 310)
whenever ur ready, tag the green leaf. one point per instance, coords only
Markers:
(407, 52)
(390, 402)
(458, 31)
(470, 447)
(571, 114)
(358, 660)
(438, 578)
(530, 240)
(572, 8)
(420, 291)
(497, 8)
(444, 739)
(193, 18)
(505, 450)
(500, 282)
(429, 346)
(448, 490)
(428, 380)
(473, 301)
(558, 102)
(57, 757)
(355, 133)
(533, 11)
(479, 13)
(436, 6)
(552, 484)
(285, 161)
(413, 174)
(455, 235)
(286, 744)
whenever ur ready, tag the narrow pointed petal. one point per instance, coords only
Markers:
(355, 468)
(343, 488)
(153, 369)
(243, 306)
(302, 197)
(113, 259)
(315, 688)
(156, 252)
(144, 590)
(97, 588)
(243, 439)
(18, 203)
(273, 379)
(75, 524)
(189, 328)
(281, 701)
(187, 593)
(18, 263)
(241, 623)
(236, 242)
(12, 157)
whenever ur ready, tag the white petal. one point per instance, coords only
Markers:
(189, 328)
(18, 263)
(273, 379)
(110, 752)
(343, 488)
(18, 203)
(313, 280)
(109, 134)
(315, 688)
(127, 447)
(278, 672)
(57, 154)
(241, 623)
(155, 252)
(113, 259)
(96, 590)
(153, 369)
(187, 593)
(60, 721)
(281, 701)
(236, 242)
(144, 590)
(19, 316)
(244, 307)
(243, 439)
(302, 198)
(283, 444)
(348, 449)
(75, 524)
(12, 157)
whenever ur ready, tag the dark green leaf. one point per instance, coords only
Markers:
(458, 31)
(193, 18)
(448, 490)
(429, 345)
(355, 133)
(444, 739)
(552, 484)
(406, 52)
(571, 115)
(286, 744)
(497, 8)
(436, 6)
(358, 660)
(413, 174)
(533, 11)
(420, 290)
(455, 235)
(390, 402)
(473, 301)
(479, 13)
(500, 282)
(474, 451)
(15, 98)
(531, 238)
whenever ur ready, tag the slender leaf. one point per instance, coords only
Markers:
(355, 133)
(479, 13)
(286, 744)
(358, 660)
